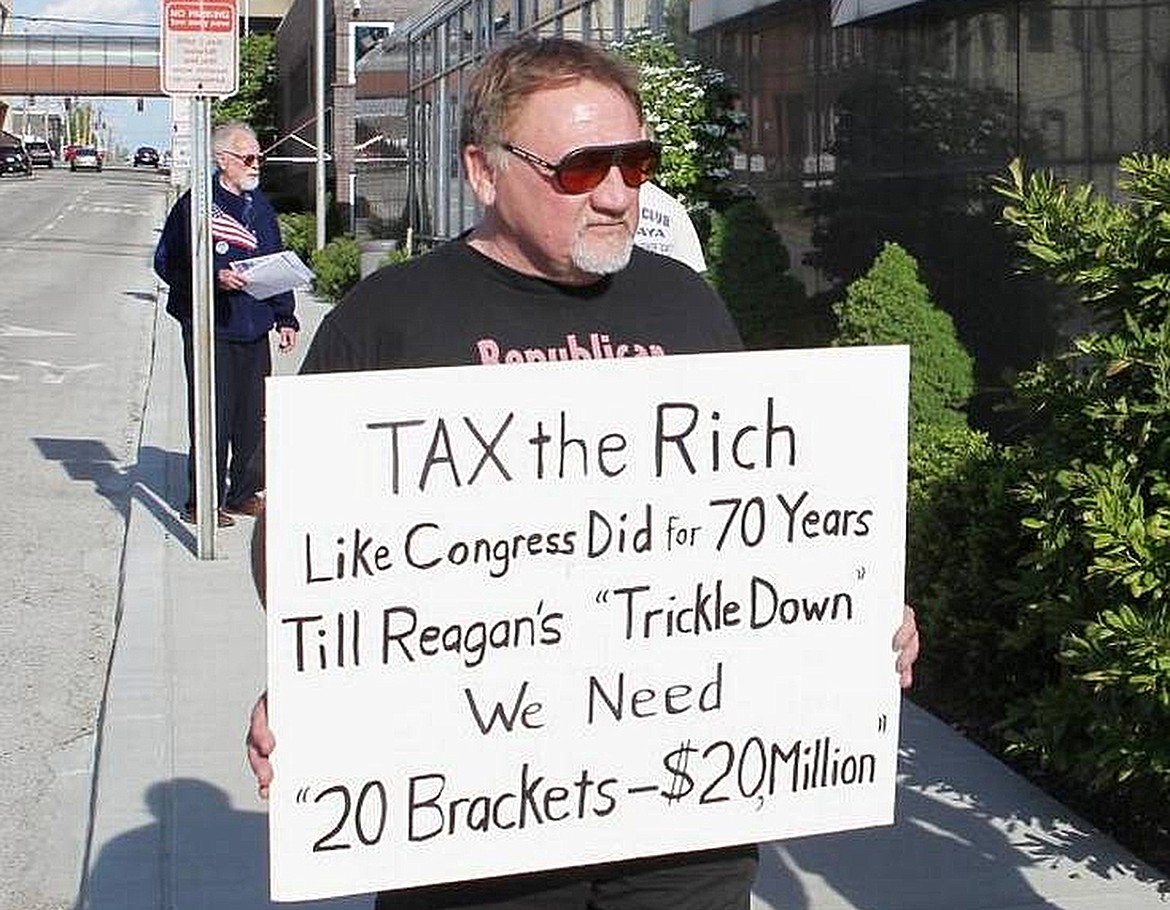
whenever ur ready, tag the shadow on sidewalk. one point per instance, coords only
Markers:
(157, 480)
(935, 856)
(968, 833)
(209, 855)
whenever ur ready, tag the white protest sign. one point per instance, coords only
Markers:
(558, 614)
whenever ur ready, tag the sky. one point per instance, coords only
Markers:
(131, 128)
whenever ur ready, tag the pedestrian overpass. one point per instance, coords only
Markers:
(79, 65)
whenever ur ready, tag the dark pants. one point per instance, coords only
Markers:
(240, 368)
(710, 880)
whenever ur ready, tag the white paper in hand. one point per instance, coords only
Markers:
(273, 274)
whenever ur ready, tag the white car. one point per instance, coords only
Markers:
(86, 157)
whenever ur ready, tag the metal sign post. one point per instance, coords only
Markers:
(203, 328)
(200, 61)
(319, 91)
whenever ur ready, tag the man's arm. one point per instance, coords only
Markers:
(172, 262)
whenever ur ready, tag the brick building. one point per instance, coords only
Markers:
(888, 120)
(365, 85)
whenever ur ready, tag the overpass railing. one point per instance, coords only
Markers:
(84, 50)
(72, 64)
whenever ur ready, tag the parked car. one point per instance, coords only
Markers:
(40, 152)
(86, 156)
(146, 156)
(13, 157)
(68, 152)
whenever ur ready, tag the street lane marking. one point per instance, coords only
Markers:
(54, 374)
(88, 247)
(115, 210)
(19, 331)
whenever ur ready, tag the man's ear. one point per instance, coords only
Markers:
(481, 175)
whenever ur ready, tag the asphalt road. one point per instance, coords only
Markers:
(76, 310)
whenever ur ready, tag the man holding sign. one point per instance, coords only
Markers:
(553, 144)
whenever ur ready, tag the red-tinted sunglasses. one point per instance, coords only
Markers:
(247, 160)
(583, 169)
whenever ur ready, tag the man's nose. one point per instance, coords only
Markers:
(612, 194)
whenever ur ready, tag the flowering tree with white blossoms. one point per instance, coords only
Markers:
(689, 109)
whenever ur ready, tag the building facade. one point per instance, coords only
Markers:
(443, 49)
(395, 71)
(894, 127)
(264, 14)
(869, 121)
(365, 85)
(1081, 81)
(5, 28)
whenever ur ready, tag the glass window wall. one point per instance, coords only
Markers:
(891, 129)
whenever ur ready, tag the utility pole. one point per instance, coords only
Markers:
(319, 49)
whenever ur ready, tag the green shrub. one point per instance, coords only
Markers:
(337, 266)
(255, 100)
(964, 540)
(963, 523)
(891, 305)
(690, 108)
(748, 266)
(298, 232)
(395, 256)
(1096, 578)
(1109, 727)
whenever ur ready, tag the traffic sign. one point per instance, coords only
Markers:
(180, 136)
(200, 48)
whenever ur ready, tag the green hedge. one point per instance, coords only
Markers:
(964, 542)
(337, 266)
(748, 265)
(298, 231)
(891, 305)
(1096, 578)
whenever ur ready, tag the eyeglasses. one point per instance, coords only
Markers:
(248, 160)
(583, 169)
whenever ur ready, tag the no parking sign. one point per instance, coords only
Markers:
(200, 47)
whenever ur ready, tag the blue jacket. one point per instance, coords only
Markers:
(236, 220)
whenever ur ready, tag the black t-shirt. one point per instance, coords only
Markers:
(455, 306)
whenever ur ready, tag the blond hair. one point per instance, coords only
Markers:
(509, 75)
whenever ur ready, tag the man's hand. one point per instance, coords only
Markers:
(230, 280)
(260, 742)
(906, 644)
(288, 339)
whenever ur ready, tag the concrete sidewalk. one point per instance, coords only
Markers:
(177, 825)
